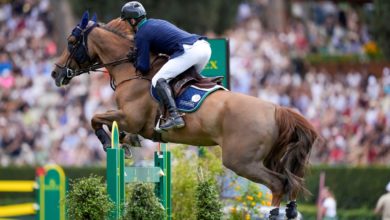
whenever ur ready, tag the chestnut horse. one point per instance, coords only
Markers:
(260, 141)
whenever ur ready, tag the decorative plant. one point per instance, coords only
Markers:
(143, 204)
(88, 199)
(186, 163)
(247, 203)
(208, 205)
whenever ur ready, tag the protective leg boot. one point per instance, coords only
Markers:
(174, 119)
(291, 210)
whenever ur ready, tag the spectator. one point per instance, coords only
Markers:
(329, 205)
(383, 205)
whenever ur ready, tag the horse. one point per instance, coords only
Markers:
(261, 141)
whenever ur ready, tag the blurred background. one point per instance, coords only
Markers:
(328, 59)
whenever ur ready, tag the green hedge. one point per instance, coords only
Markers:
(358, 187)
(354, 188)
(309, 212)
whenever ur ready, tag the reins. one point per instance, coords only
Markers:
(97, 66)
(137, 76)
(113, 86)
(70, 73)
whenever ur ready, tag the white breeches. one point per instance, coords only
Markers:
(196, 55)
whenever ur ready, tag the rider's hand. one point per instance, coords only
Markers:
(132, 56)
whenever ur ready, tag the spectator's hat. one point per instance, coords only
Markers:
(388, 187)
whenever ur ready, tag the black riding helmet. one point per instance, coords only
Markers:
(133, 10)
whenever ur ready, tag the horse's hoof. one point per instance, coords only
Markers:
(135, 141)
(128, 152)
(105, 147)
(274, 213)
(122, 135)
(291, 210)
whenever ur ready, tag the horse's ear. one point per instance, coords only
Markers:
(84, 20)
(94, 18)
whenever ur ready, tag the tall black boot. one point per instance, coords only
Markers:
(174, 120)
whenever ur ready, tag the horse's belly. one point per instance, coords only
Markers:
(190, 138)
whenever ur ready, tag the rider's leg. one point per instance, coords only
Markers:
(174, 120)
(194, 55)
(204, 59)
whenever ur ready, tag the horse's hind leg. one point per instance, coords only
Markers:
(254, 170)
(291, 210)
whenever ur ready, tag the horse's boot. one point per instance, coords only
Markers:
(274, 213)
(103, 138)
(291, 210)
(174, 119)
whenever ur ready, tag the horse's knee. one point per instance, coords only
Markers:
(95, 123)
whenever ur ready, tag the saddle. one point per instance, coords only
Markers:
(191, 77)
(180, 85)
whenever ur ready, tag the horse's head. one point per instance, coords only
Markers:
(76, 56)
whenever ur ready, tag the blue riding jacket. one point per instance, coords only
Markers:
(159, 36)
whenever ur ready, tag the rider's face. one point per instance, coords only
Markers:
(133, 23)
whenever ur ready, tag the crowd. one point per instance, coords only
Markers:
(349, 109)
(40, 123)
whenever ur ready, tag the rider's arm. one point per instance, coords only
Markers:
(143, 50)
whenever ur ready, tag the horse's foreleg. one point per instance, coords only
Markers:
(130, 139)
(107, 118)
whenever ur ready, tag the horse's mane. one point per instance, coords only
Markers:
(120, 28)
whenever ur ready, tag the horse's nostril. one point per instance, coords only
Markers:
(53, 74)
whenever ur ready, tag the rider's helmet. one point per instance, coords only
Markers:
(133, 10)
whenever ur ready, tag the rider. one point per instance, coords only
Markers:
(160, 36)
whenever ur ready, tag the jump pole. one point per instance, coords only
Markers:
(50, 187)
(118, 175)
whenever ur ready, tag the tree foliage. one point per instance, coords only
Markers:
(198, 16)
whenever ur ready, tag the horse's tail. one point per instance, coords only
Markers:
(290, 153)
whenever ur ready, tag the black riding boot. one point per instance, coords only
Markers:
(174, 120)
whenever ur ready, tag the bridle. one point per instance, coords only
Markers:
(79, 53)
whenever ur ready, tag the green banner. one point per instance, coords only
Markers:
(219, 61)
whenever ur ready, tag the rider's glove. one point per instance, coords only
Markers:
(132, 56)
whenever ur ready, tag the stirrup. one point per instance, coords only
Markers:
(173, 122)
(157, 127)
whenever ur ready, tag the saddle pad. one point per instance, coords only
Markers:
(192, 97)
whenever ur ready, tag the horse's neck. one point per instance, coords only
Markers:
(109, 48)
